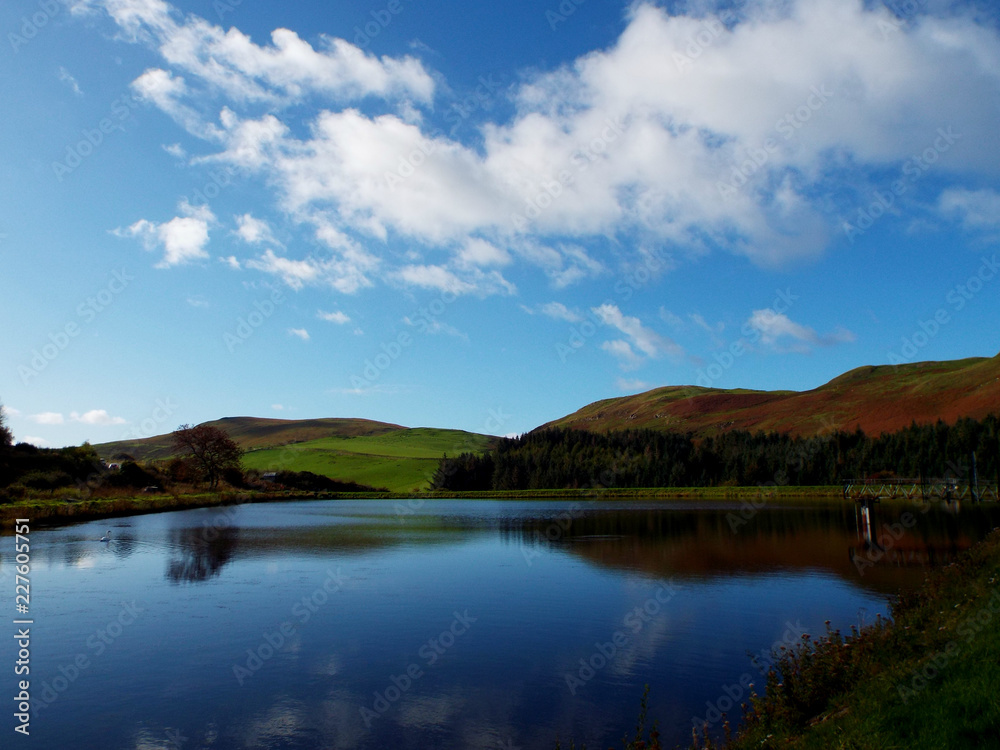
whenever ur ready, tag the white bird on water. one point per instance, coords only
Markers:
(107, 537)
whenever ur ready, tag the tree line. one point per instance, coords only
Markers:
(576, 459)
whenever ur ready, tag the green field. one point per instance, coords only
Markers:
(400, 461)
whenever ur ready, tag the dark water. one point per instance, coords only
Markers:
(455, 624)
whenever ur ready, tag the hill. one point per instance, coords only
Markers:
(252, 433)
(877, 399)
(359, 450)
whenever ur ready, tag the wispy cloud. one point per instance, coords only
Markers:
(626, 385)
(336, 316)
(301, 333)
(779, 331)
(47, 417)
(66, 77)
(647, 341)
(97, 417)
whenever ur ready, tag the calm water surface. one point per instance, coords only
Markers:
(449, 624)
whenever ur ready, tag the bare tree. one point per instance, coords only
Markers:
(211, 448)
(6, 436)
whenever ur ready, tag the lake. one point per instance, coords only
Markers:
(442, 623)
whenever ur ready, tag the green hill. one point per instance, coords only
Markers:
(401, 460)
(359, 450)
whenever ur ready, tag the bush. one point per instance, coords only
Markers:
(132, 475)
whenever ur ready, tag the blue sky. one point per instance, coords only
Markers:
(437, 214)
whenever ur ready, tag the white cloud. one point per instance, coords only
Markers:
(336, 316)
(646, 340)
(197, 301)
(622, 351)
(624, 384)
(636, 139)
(672, 320)
(254, 231)
(301, 333)
(47, 417)
(96, 417)
(346, 272)
(10, 411)
(176, 150)
(232, 261)
(433, 326)
(478, 252)
(38, 442)
(183, 238)
(278, 407)
(282, 72)
(976, 209)
(777, 327)
(442, 279)
(66, 77)
(559, 311)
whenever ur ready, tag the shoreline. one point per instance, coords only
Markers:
(56, 511)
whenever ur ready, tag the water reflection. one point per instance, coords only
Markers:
(919, 535)
(199, 553)
(550, 583)
(704, 543)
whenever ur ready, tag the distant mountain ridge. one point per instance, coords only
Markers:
(877, 399)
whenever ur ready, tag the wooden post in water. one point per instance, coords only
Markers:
(975, 480)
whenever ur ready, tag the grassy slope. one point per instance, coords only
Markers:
(252, 433)
(878, 399)
(401, 461)
(373, 453)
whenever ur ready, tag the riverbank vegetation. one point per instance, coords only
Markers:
(927, 678)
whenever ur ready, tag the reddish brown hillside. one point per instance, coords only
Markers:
(875, 398)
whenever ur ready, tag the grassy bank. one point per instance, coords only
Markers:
(56, 510)
(928, 678)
